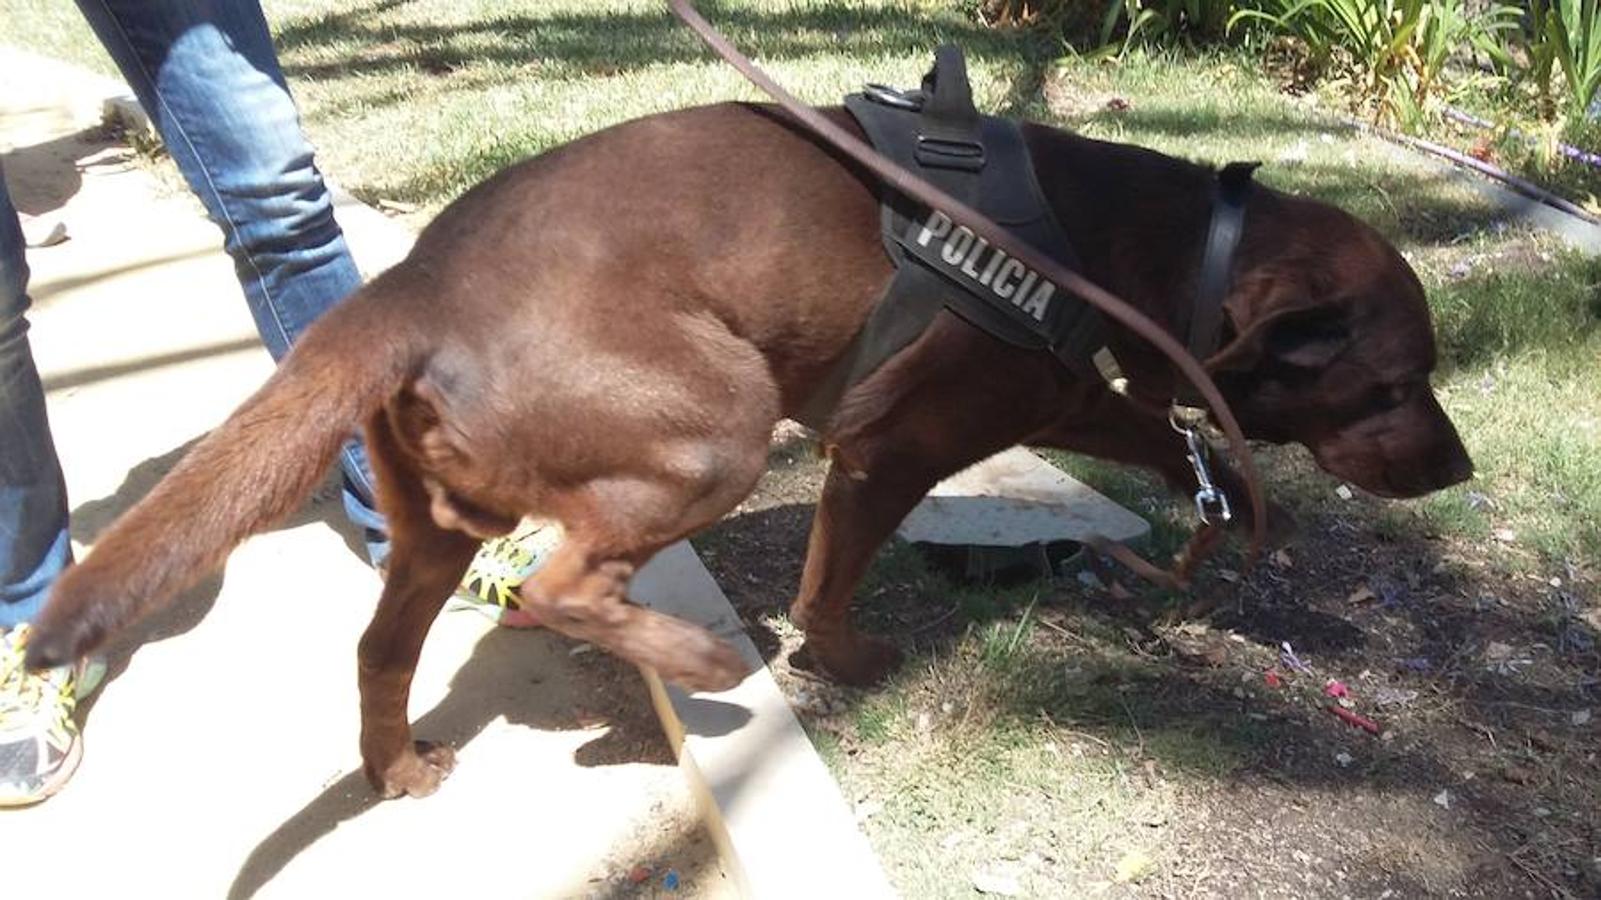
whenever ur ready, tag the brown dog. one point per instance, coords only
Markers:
(606, 334)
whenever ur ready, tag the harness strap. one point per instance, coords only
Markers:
(940, 263)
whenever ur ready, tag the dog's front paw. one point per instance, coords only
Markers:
(417, 773)
(851, 657)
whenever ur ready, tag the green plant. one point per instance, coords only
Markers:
(1393, 52)
(1162, 20)
(1566, 36)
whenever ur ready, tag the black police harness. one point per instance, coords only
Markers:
(940, 264)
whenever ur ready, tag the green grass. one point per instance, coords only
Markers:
(1013, 743)
(1022, 794)
(53, 29)
(480, 85)
(1138, 490)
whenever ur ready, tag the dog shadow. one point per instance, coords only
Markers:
(510, 675)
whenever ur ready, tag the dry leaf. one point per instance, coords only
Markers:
(1134, 865)
(1518, 775)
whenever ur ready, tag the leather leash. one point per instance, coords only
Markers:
(1118, 309)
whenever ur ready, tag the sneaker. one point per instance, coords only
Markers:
(39, 741)
(38, 232)
(500, 566)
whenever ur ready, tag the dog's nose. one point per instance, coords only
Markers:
(1461, 469)
(1453, 465)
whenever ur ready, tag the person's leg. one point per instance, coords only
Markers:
(34, 547)
(39, 741)
(207, 74)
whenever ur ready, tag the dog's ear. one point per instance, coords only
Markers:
(1306, 337)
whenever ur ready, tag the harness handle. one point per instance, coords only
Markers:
(947, 132)
(1118, 309)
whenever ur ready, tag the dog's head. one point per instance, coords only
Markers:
(1332, 346)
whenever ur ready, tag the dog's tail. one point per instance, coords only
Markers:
(245, 476)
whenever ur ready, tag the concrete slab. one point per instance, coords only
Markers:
(221, 756)
(1015, 499)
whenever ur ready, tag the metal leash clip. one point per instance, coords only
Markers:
(1209, 501)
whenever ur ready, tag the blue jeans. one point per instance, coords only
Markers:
(207, 74)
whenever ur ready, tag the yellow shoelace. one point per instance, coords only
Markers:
(23, 694)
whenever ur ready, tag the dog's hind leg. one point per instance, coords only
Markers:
(614, 525)
(583, 595)
(426, 563)
(613, 528)
(679, 438)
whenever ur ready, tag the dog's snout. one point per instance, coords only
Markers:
(1437, 455)
(1450, 459)
(1409, 452)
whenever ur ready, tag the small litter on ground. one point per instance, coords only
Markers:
(1291, 661)
(1355, 720)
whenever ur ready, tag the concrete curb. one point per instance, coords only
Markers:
(1515, 207)
(773, 809)
(1522, 209)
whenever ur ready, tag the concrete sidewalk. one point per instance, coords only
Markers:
(221, 757)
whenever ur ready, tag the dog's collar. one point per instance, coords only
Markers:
(1231, 189)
